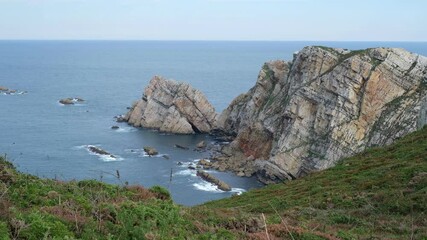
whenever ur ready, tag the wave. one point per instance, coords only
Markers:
(142, 153)
(238, 191)
(81, 146)
(106, 158)
(186, 172)
(125, 129)
(209, 187)
(12, 92)
(102, 157)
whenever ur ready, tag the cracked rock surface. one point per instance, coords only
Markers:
(306, 114)
(172, 106)
(302, 115)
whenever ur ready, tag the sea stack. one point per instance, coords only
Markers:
(174, 107)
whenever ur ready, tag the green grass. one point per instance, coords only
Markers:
(378, 194)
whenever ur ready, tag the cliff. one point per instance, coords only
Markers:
(172, 106)
(302, 115)
(325, 104)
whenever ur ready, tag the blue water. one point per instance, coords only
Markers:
(47, 139)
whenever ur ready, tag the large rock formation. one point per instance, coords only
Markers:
(306, 114)
(172, 106)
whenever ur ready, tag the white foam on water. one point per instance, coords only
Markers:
(207, 187)
(186, 172)
(80, 147)
(13, 93)
(160, 155)
(238, 191)
(104, 158)
(125, 129)
(107, 158)
(210, 187)
(187, 164)
(142, 153)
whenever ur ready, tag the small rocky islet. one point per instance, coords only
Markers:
(99, 151)
(8, 91)
(71, 100)
(302, 115)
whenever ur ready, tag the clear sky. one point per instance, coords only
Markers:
(336, 20)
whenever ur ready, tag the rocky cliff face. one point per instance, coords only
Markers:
(325, 104)
(172, 106)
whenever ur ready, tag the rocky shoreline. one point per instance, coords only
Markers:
(302, 115)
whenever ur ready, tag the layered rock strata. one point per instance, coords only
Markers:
(302, 115)
(171, 106)
(325, 104)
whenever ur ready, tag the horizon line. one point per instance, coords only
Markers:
(204, 40)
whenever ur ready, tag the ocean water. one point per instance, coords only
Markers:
(46, 139)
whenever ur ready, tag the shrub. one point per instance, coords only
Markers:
(42, 226)
(161, 192)
(4, 231)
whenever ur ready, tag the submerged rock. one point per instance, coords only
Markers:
(115, 127)
(8, 91)
(99, 151)
(181, 147)
(70, 101)
(325, 104)
(171, 106)
(208, 177)
(120, 118)
(150, 151)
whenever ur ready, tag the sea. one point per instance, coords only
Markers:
(50, 140)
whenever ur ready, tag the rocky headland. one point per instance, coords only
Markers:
(302, 115)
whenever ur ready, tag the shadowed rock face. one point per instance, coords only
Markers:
(306, 114)
(172, 106)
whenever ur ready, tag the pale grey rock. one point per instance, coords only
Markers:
(174, 107)
(210, 178)
(325, 104)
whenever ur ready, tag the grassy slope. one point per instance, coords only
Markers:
(381, 193)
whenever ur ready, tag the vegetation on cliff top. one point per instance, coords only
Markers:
(381, 193)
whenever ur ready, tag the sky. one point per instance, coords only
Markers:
(270, 20)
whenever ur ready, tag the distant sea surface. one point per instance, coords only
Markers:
(49, 140)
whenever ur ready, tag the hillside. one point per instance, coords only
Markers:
(380, 193)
